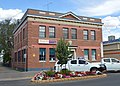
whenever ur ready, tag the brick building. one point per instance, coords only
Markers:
(38, 32)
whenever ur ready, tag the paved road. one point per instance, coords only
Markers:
(113, 79)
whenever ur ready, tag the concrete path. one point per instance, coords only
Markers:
(7, 73)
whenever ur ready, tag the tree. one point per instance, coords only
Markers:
(62, 51)
(6, 38)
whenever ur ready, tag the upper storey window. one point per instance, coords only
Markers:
(42, 31)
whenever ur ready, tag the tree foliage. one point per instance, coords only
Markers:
(62, 51)
(6, 38)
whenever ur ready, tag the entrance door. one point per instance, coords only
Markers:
(73, 52)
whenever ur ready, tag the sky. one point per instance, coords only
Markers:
(107, 10)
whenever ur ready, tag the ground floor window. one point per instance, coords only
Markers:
(52, 54)
(42, 54)
(15, 56)
(19, 59)
(93, 54)
(86, 54)
(23, 55)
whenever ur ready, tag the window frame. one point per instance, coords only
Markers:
(87, 54)
(73, 34)
(85, 36)
(43, 33)
(65, 33)
(50, 55)
(93, 35)
(53, 33)
(42, 58)
(95, 55)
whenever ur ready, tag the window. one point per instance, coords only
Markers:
(74, 62)
(114, 61)
(23, 55)
(42, 54)
(42, 32)
(52, 54)
(18, 38)
(93, 54)
(24, 33)
(60, 62)
(19, 56)
(51, 32)
(86, 54)
(15, 56)
(65, 33)
(93, 35)
(74, 33)
(81, 62)
(85, 34)
(106, 60)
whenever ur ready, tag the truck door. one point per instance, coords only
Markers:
(73, 65)
(115, 64)
(107, 63)
(83, 66)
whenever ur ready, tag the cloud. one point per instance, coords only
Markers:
(107, 7)
(10, 13)
(111, 27)
(112, 22)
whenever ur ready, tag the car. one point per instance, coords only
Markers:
(79, 65)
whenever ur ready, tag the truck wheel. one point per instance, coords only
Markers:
(93, 69)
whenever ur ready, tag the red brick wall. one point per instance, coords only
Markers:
(32, 36)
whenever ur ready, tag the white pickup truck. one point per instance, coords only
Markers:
(111, 64)
(79, 65)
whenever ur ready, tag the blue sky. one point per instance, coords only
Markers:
(107, 10)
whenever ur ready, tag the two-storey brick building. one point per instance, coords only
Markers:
(37, 34)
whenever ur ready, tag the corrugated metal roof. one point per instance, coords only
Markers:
(112, 41)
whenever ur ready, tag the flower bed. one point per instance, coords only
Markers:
(51, 76)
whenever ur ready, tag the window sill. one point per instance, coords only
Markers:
(52, 61)
(42, 61)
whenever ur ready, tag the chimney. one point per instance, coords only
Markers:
(111, 38)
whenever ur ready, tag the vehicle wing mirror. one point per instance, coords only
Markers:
(86, 63)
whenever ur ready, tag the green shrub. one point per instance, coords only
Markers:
(50, 73)
(65, 71)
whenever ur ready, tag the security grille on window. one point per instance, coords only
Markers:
(93, 36)
(42, 56)
(51, 32)
(74, 33)
(85, 33)
(52, 54)
(42, 32)
(65, 33)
